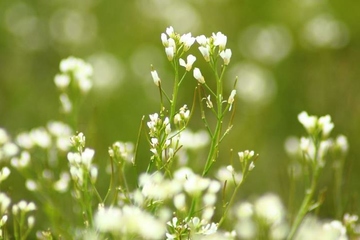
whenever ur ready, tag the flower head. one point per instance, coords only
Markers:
(198, 76)
(226, 55)
(190, 61)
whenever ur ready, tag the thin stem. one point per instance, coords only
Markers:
(305, 205)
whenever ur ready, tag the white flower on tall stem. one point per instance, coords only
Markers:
(155, 77)
(170, 31)
(190, 61)
(309, 122)
(226, 55)
(198, 76)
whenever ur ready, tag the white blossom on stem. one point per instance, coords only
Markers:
(190, 61)
(198, 76)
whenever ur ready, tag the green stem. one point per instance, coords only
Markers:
(305, 204)
(232, 199)
(175, 92)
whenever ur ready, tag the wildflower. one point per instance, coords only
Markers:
(180, 201)
(40, 137)
(4, 173)
(78, 141)
(342, 143)
(10, 149)
(4, 202)
(21, 162)
(155, 77)
(62, 184)
(62, 81)
(325, 125)
(190, 61)
(31, 185)
(164, 40)
(198, 76)
(226, 55)
(170, 53)
(219, 40)
(195, 184)
(170, 31)
(3, 136)
(187, 40)
(309, 122)
(205, 51)
(270, 209)
(202, 40)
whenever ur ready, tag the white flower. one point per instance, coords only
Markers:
(62, 81)
(190, 61)
(226, 55)
(86, 157)
(4, 202)
(270, 208)
(3, 136)
(198, 76)
(170, 31)
(309, 122)
(155, 77)
(187, 40)
(41, 137)
(4, 173)
(205, 51)
(202, 40)
(326, 125)
(342, 143)
(219, 40)
(170, 53)
(195, 184)
(164, 39)
(85, 84)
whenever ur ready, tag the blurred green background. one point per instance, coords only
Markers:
(290, 56)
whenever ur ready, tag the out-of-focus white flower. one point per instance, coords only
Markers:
(40, 137)
(21, 162)
(62, 184)
(324, 31)
(309, 122)
(342, 143)
(195, 184)
(156, 187)
(180, 201)
(4, 173)
(198, 76)
(86, 157)
(62, 81)
(224, 175)
(268, 44)
(194, 140)
(326, 125)
(4, 202)
(226, 56)
(190, 61)
(292, 145)
(4, 137)
(31, 185)
(10, 149)
(129, 220)
(270, 208)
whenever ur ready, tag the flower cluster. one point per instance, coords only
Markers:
(73, 79)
